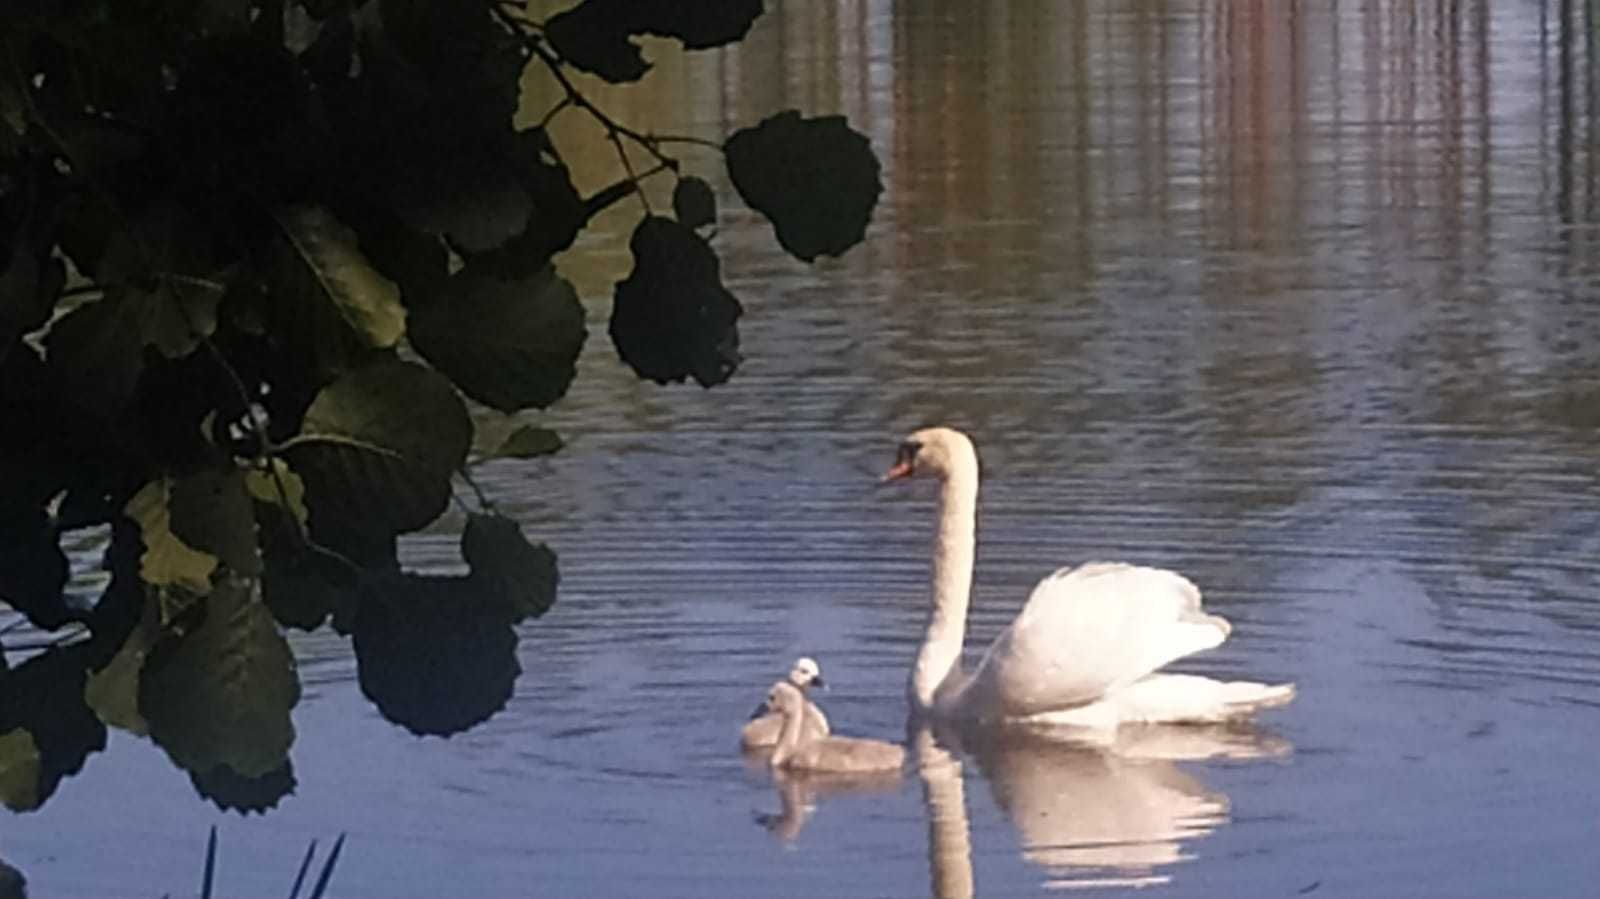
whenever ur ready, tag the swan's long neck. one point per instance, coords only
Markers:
(788, 738)
(953, 547)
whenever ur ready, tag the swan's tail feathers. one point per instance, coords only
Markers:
(1247, 697)
(1189, 699)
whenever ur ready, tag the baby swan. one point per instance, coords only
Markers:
(837, 754)
(763, 731)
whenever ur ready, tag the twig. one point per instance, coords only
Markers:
(682, 139)
(554, 110)
(627, 166)
(80, 290)
(483, 500)
(614, 130)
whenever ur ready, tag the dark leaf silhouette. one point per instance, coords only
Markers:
(95, 353)
(221, 694)
(591, 37)
(12, 884)
(367, 462)
(693, 203)
(30, 213)
(45, 726)
(437, 655)
(300, 586)
(33, 569)
(530, 441)
(507, 344)
(233, 792)
(596, 35)
(673, 318)
(556, 212)
(522, 574)
(816, 179)
(212, 512)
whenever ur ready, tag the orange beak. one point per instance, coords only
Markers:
(895, 473)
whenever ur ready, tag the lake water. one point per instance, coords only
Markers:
(1301, 299)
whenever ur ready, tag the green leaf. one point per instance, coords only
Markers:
(211, 511)
(694, 203)
(378, 446)
(222, 694)
(816, 179)
(177, 315)
(329, 301)
(19, 771)
(278, 486)
(523, 574)
(507, 344)
(113, 691)
(167, 560)
(530, 441)
(437, 655)
(672, 317)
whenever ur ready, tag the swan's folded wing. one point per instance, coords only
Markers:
(1088, 630)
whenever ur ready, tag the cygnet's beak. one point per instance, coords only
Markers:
(819, 683)
(760, 710)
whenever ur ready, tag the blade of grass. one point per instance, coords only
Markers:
(305, 865)
(210, 874)
(327, 869)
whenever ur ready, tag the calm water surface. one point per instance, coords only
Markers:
(1299, 298)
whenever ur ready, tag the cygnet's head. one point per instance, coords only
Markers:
(932, 451)
(806, 673)
(785, 699)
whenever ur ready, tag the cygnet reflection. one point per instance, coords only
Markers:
(800, 791)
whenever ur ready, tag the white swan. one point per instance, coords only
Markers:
(838, 754)
(763, 731)
(1084, 648)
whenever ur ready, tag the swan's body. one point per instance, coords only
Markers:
(836, 754)
(1085, 647)
(764, 731)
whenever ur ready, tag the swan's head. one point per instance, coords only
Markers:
(936, 452)
(806, 673)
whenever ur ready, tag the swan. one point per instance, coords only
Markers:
(836, 754)
(1085, 649)
(763, 731)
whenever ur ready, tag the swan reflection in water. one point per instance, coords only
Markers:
(1115, 810)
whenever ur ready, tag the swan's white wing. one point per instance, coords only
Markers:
(1088, 630)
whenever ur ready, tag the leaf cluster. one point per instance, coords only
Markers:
(256, 259)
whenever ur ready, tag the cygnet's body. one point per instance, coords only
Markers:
(763, 731)
(830, 753)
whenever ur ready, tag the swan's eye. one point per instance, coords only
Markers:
(908, 452)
